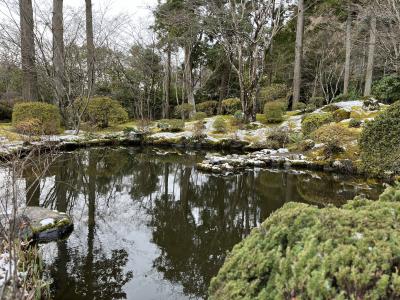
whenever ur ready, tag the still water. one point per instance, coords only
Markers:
(148, 225)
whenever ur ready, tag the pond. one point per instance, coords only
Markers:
(148, 225)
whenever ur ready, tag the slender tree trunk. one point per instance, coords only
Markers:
(90, 46)
(58, 54)
(188, 77)
(168, 85)
(371, 54)
(28, 60)
(348, 52)
(298, 53)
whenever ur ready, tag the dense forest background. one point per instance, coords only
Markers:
(198, 53)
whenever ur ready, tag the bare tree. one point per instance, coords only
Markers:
(245, 39)
(90, 46)
(29, 75)
(58, 54)
(371, 56)
(298, 53)
(347, 64)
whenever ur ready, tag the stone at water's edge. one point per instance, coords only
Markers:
(43, 225)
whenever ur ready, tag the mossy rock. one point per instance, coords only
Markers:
(43, 225)
(312, 122)
(330, 108)
(341, 114)
(304, 252)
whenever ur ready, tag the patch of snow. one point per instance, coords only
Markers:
(48, 221)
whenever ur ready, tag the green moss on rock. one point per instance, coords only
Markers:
(303, 252)
(312, 122)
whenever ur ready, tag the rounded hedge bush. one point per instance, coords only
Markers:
(171, 125)
(312, 122)
(184, 110)
(230, 106)
(36, 118)
(380, 142)
(208, 107)
(388, 88)
(220, 125)
(306, 252)
(274, 111)
(272, 92)
(104, 111)
(199, 116)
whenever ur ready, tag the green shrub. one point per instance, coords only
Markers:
(330, 108)
(305, 252)
(278, 137)
(199, 116)
(312, 122)
(311, 108)
(229, 106)
(220, 125)
(184, 110)
(317, 101)
(387, 89)
(171, 125)
(300, 106)
(334, 136)
(208, 107)
(198, 130)
(354, 123)
(272, 92)
(238, 117)
(341, 114)
(104, 111)
(274, 111)
(43, 118)
(380, 142)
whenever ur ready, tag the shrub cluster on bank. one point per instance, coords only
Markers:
(35, 118)
(380, 142)
(304, 252)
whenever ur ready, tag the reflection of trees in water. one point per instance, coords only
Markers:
(92, 275)
(207, 216)
(195, 218)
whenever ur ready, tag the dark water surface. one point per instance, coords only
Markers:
(148, 225)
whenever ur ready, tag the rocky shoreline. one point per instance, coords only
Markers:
(268, 158)
(247, 155)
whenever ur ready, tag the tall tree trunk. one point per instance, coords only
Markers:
(90, 46)
(371, 54)
(348, 51)
(29, 75)
(189, 77)
(298, 53)
(168, 83)
(58, 55)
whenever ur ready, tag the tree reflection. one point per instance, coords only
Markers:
(90, 274)
(194, 219)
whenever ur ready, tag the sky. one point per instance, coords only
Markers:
(136, 8)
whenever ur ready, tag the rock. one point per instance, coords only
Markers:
(371, 105)
(43, 225)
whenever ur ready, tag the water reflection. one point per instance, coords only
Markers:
(149, 226)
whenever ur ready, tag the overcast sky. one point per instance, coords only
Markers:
(135, 8)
